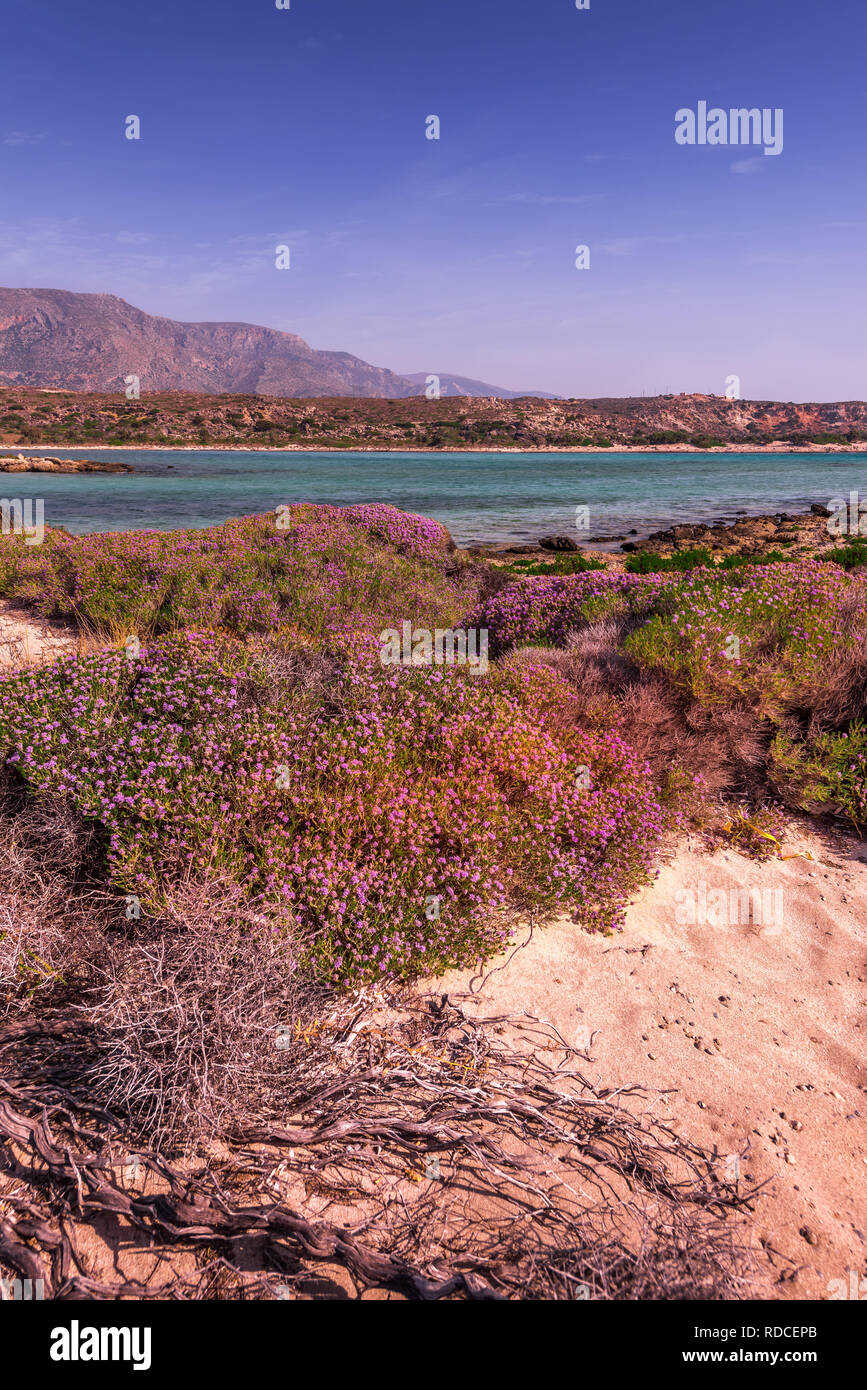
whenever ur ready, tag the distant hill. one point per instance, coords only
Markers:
(92, 342)
(466, 386)
(30, 415)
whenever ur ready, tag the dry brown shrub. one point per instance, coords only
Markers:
(279, 668)
(841, 694)
(187, 1008)
(54, 913)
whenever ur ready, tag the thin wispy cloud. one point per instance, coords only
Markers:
(23, 137)
(629, 245)
(546, 199)
(797, 259)
(116, 261)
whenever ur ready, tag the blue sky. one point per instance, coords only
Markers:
(306, 127)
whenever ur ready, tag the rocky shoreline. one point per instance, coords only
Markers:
(802, 534)
(18, 463)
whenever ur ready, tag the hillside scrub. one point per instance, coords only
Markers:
(392, 821)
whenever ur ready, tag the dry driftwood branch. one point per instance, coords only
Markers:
(515, 1132)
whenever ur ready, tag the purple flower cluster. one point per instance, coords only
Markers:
(396, 835)
(407, 533)
(544, 609)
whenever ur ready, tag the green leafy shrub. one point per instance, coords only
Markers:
(558, 564)
(826, 772)
(848, 556)
(649, 562)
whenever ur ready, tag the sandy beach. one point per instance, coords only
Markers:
(781, 448)
(752, 1036)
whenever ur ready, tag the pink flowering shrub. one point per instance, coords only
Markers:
(318, 568)
(544, 609)
(409, 534)
(764, 632)
(775, 642)
(397, 828)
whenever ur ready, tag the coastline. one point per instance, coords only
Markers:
(468, 449)
(798, 534)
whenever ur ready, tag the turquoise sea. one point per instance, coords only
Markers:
(479, 496)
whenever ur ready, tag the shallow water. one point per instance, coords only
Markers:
(485, 497)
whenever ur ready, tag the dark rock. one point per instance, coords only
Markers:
(818, 510)
(689, 532)
(557, 543)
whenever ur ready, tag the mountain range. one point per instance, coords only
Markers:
(93, 342)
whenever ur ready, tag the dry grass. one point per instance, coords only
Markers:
(187, 1008)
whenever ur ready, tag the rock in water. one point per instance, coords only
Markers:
(557, 543)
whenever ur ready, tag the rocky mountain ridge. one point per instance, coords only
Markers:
(96, 342)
